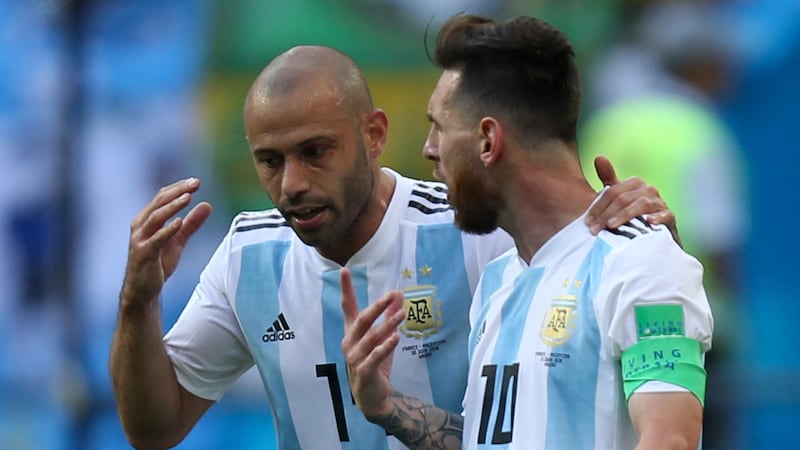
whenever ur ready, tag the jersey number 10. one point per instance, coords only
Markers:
(499, 436)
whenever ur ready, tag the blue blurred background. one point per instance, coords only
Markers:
(102, 102)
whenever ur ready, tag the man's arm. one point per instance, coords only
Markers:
(666, 420)
(155, 411)
(420, 425)
(625, 200)
(368, 349)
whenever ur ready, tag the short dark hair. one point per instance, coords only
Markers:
(522, 70)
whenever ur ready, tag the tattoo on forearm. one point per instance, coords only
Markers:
(422, 426)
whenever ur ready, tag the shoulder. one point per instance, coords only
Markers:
(638, 249)
(250, 227)
(424, 202)
(253, 220)
(634, 230)
(428, 197)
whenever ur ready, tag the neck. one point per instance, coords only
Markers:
(541, 198)
(366, 224)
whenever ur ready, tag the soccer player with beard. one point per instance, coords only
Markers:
(270, 294)
(578, 341)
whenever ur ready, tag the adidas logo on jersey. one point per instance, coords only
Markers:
(279, 331)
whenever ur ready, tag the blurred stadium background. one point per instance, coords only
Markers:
(103, 101)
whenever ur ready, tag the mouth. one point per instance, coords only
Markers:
(307, 218)
(437, 172)
(305, 213)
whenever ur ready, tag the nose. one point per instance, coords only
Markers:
(295, 178)
(431, 148)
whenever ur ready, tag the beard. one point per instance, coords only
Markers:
(346, 202)
(476, 202)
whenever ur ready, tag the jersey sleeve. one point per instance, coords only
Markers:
(652, 287)
(206, 344)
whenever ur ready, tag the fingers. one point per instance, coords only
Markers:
(605, 171)
(665, 217)
(166, 203)
(349, 303)
(358, 323)
(195, 219)
(361, 327)
(368, 347)
(160, 237)
(366, 342)
(378, 354)
(168, 193)
(179, 231)
(148, 228)
(622, 202)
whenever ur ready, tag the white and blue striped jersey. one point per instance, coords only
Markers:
(267, 298)
(547, 337)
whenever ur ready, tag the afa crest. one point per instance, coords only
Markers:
(423, 311)
(559, 321)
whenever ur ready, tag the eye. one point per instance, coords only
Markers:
(313, 152)
(316, 152)
(269, 160)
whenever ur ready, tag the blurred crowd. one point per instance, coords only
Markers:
(103, 102)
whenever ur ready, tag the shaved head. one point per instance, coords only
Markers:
(316, 70)
(315, 137)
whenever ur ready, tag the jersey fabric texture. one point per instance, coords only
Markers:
(547, 338)
(266, 298)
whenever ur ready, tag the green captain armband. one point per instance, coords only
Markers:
(672, 359)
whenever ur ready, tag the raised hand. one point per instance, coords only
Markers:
(156, 246)
(368, 347)
(625, 200)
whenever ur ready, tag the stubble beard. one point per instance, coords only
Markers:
(355, 190)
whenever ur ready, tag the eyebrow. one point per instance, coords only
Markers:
(304, 143)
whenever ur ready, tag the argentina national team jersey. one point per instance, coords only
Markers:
(547, 337)
(266, 298)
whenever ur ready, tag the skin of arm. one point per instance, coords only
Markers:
(155, 411)
(368, 349)
(667, 420)
(420, 425)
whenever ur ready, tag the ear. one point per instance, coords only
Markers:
(492, 140)
(376, 130)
